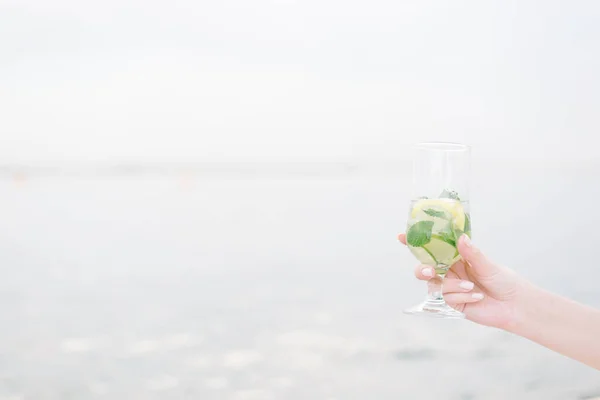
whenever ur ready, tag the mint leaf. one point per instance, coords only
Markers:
(447, 235)
(419, 234)
(457, 234)
(435, 213)
(468, 224)
(449, 194)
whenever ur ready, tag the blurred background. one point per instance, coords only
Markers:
(200, 199)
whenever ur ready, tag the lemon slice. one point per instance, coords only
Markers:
(450, 206)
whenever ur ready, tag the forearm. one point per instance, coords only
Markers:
(562, 325)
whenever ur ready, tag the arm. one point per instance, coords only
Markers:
(557, 323)
(507, 301)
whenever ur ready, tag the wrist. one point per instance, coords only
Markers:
(523, 307)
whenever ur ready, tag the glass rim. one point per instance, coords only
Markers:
(442, 146)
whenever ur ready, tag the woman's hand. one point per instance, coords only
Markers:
(500, 298)
(485, 292)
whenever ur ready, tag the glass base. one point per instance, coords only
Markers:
(435, 309)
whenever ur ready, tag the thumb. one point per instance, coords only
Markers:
(479, 263)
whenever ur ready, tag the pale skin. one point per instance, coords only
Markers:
(493, 295)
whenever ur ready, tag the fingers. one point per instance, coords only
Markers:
(457, 286)
(402, 238)
(458, 292)
(462, 298)
(451, 283)
(424, 272)
(479, 263)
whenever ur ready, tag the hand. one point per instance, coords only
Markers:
(484, 291)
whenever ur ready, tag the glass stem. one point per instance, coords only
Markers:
(434, 289)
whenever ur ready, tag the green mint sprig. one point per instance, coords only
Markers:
(419, 234)
(449, 194)
(436, 213)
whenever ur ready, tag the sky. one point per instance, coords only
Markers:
(285, 80)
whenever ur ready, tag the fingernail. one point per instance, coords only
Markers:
(427, 272)
(466, 285)
(477, 296)
(467, 241)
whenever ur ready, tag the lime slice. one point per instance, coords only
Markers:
(453, 210)
(435, 253)
(424, 256)
(443, 252)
